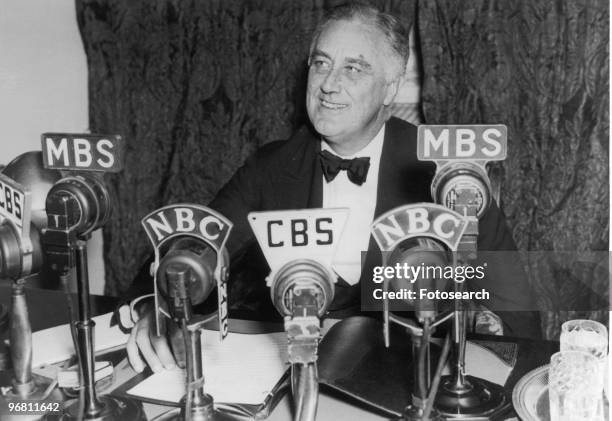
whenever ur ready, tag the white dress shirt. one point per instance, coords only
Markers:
(361, 200)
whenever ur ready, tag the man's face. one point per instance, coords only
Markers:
(348, 84)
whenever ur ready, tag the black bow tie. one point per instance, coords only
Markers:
(356, 168)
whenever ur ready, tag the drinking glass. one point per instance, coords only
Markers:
(574, 386)
(585, 335)
(588, 336)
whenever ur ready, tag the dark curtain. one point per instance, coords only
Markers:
(541, 68)
(196, 86)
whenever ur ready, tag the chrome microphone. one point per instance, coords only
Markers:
(26, 170)
(190, 261)
(24, 184)
(77, 205)
(430, 258)
(302, 288)
(299, 246)
(302, 291)
(11, 258)
(424, 236)
(461, 184)
(185, 276)
(184, 279)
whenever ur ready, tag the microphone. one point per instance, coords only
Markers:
(302, 288)
(185, 276)
(299, 245)
(11, 252)
(24, 184)
(461, 184)
(76, 206)
(27, 170)
(190, 261)
(302, 291)
(429, 257)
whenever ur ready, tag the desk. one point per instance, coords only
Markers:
(47, 308)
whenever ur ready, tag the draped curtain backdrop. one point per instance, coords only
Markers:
(196, 86)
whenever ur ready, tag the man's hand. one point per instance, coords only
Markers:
(154, 349)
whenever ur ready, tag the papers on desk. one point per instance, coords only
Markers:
(484, 363)
(241, 369)
(53, 345)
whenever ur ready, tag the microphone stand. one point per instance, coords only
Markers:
(75, 207)
(18, 259)
(4, 357)
(304, 332)
(301, 291)
(196, 405)
(25, 384)
(462, 396)
(90, 406)
(421, 408)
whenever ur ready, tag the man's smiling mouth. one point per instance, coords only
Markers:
(332, 105)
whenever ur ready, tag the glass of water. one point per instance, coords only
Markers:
(588, 336)
(574, 386)
(585, 335)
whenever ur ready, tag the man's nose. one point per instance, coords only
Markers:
(332, 82)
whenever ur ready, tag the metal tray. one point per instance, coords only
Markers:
(530, 397)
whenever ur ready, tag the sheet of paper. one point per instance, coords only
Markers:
(241, 369)
(483, 363)
(55, 344)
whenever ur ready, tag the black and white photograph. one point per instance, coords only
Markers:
(305, 210)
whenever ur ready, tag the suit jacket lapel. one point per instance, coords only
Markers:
(315, 199)
(299, 183)
(402, 179)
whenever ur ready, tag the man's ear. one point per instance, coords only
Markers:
(392, 90)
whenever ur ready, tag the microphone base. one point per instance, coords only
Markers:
(478, 400)
(202, 413)
(113, 409)
(413, 413)
(53, 396)
(37, 389)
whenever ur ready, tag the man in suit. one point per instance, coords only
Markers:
(353, 156)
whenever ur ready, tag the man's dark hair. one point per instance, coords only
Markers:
(395, 32)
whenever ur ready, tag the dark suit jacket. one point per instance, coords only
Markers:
(288, 175)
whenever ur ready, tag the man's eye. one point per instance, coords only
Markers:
(320, 64)
(352, 70)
